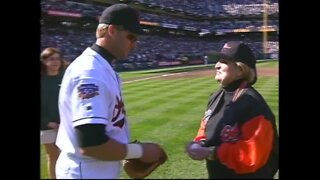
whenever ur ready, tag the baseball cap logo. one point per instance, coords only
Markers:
(226, 46)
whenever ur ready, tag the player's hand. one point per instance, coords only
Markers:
(151, 152)
(53, 125)
(196, 152)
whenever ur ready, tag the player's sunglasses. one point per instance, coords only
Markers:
(131, 36)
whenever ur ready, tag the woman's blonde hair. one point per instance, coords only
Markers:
(248, 74)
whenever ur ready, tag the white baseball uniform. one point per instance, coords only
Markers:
(90, 93)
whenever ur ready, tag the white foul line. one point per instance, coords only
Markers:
(154, 77)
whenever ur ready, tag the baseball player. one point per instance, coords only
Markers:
(94, 132)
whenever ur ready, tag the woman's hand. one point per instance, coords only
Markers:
(53, 125)
(196, 151)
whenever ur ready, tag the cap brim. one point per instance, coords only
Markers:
(135, 29)
(222, 56)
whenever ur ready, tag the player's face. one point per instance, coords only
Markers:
(131, 41)
(126, 43)
(226, 72)
(53, 62)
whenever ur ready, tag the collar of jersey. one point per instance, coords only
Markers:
(102, 59)
(103, 52)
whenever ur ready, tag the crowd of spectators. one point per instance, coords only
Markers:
(73, 41)
(236, 8)
(204, 7)
(211, 26)
(152, 48)
(217, 7)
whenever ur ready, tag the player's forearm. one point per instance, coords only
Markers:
(94, 142)
(112, 150)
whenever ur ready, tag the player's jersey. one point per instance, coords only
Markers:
(90, 93)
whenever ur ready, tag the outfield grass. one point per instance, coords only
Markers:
(168, 111)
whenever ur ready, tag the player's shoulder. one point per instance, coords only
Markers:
(87, 61)
(90, 65)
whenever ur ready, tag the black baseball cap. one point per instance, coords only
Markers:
(239, 52)
(123, 15)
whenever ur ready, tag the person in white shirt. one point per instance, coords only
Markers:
(94, 135)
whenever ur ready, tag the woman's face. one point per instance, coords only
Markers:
(226, 72)
(53, 62)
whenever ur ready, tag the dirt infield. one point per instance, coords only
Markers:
(210, 72)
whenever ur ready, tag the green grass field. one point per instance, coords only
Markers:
(168, 111)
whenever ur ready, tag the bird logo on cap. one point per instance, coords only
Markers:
(226, 46)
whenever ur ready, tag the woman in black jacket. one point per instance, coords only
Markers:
(52, 69)
(238, 136)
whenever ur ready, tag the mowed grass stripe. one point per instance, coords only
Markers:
(268, 89)
(148, 85)
(141, 99)
(144, 104)
(268, 82)
(164, 102)
(155, 82)
(173, 117)
(174, 136)
(178, 129)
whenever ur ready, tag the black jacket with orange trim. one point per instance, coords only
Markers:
(243, 133)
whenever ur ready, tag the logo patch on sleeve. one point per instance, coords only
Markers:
(87, 91)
